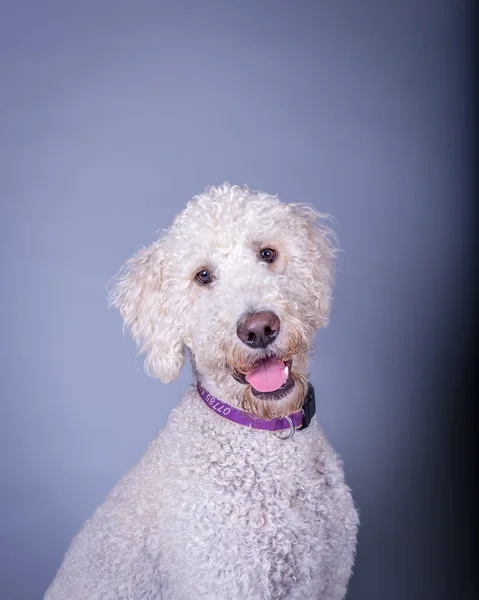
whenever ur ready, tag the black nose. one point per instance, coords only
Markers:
(259, 329)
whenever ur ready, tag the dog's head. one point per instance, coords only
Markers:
(241, 282)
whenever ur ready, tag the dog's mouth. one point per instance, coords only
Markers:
(270, 378)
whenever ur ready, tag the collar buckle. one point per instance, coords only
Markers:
(309, 408)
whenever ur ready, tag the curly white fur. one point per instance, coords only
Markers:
(214, 510)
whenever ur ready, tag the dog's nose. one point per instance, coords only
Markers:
(259, 329)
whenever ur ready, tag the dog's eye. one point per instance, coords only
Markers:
(204, 277)
(267, 255)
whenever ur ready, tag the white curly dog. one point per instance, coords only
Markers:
(227, 503)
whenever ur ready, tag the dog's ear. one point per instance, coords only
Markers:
(140, 294)
(317, 266)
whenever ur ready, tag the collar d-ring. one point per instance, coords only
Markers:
(291, 431)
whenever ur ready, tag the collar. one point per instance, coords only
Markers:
(295, 421)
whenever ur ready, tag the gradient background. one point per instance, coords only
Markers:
(113, 114)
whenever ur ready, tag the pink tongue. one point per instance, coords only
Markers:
(268, 376)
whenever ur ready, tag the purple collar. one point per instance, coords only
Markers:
(238, 416)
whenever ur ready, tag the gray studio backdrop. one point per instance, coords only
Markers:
(113, 114)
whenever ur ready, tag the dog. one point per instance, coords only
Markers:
(240, 496)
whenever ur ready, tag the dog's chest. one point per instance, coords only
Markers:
(247, 509)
